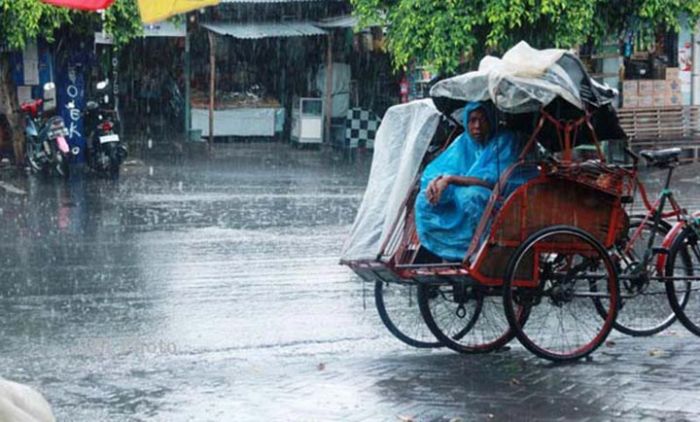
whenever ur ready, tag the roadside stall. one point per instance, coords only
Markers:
(254, 81)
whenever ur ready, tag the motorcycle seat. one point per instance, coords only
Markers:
(32, 107)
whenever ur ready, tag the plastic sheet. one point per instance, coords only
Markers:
(400, 144)
(525, 79)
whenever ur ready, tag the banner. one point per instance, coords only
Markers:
(91, 5)
(158, 10)
(70, 86)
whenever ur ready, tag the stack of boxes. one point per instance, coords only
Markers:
(653, 92)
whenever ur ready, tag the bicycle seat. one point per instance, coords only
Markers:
(662, 157)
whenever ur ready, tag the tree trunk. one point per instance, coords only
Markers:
(11, 122)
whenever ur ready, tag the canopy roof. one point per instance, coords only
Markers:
(526, 79)
(273, 1)
(249, 31)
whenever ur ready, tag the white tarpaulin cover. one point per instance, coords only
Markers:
(524, 80)
(399, 147)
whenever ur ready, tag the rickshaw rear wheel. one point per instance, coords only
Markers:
(552, 274)
(397, 306)
(465, 317)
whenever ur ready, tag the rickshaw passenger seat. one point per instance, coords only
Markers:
(519, 177)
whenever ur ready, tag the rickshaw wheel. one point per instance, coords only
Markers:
(397, 306)
(646, 310)
(683, 296)
(464, 317)
(552, 274)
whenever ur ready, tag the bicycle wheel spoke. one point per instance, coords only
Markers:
(563, 322)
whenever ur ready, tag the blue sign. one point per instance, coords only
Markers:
(70, 89)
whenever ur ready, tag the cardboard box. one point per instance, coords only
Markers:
(646, 101)
(659, 86)
(672, 73)
(673, 86)
(630, 101)
(646, 87)
(630, 88)
(674, 100)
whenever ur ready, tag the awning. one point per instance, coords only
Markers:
(346, 21)
(164, 29)
(274, 1)
(251, 31)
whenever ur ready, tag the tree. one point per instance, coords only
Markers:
(447, 33)
(24, 20)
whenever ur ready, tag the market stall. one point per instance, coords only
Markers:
(243, 98)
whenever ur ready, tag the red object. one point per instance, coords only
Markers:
(91, 5)
(32, 107)
(107, 126)
(403, 88)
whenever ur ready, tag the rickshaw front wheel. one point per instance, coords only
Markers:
(560, 274)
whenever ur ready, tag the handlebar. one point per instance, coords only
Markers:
(635, 157)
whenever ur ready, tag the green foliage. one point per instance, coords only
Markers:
(447, 33)
(23, 20)
(122, 21)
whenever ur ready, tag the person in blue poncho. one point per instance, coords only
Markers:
(456, 186)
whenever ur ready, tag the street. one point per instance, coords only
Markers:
(211, 291)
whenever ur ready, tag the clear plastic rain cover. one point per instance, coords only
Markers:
(525, 79)
(400, 144)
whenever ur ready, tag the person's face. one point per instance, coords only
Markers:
(479, 126)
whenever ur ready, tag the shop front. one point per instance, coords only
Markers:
(257, 81)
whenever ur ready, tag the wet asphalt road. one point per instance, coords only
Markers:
(211, 292)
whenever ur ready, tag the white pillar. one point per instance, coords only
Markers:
(695, 78)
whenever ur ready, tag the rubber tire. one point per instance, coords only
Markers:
(630, 331)
(508, 297)
(62, 166)
(677, 247)
(391, 326)
(453, 343)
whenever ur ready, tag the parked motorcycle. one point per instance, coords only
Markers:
(47, 149)
(105, 151)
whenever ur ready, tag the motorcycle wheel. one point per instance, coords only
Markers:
(31, 151)
(62, 166)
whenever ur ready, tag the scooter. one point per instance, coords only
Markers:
(106, 152)
(47, 149)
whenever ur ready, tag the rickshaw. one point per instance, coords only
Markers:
(548, 255)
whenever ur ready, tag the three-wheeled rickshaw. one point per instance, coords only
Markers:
(554, 260)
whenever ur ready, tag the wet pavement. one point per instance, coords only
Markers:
(211, 292)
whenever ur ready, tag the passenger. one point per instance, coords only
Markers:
(456, 186)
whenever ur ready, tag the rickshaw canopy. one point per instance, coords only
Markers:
(525, 80)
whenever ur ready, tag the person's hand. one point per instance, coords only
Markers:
(436, 188)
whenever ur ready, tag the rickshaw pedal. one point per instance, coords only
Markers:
(660, 250)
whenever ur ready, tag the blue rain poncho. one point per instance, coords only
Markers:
(447, 228)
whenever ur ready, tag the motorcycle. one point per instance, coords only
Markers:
(47, 149)
(106, 152)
